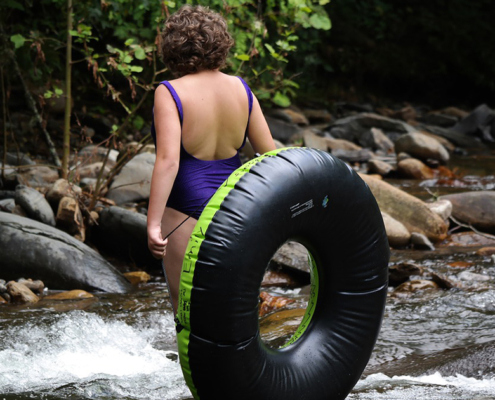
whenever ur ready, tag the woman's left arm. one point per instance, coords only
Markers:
(168, 136)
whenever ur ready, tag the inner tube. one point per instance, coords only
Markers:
(293, 194)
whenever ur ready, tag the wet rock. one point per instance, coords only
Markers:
(351, 128)
(413, 213)
(20, 293)
(468, 239)
(412, 168)
(7, 194)
(421, 146)
(132, 184)
(479, 123)
(318, 116)
(454, 112)
(70, 219)
(70, 295)
(281, 130)
(30, 248)
(7, 205)
(442, 281)
(341, 144)
(474, 208)
(486, 251)
(92, 170)
(2, 300)
(35, 286)
(6, 296)
(278, 279)
(314, 141)
(271, 303)
(39, 176)
(123, 233)
(407, 113)
(379, 167)
(18, 159)
(459, 139)
(397, 233)
(400, 273)
(410, 287)
(420, 241)
(34, 204)
(375, 139)
(137, 277)
(443, 141)
(439, 119)
(352, 156)
(294, 255)
(443, 208)
(290, 116)
(62, 188)
(472, 277)
(402, 156)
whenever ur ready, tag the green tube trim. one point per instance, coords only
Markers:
(310, 309)
(191, 256)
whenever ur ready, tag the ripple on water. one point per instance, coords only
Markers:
(81, 353)
(431, 387)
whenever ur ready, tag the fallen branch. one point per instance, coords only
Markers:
(487, 235)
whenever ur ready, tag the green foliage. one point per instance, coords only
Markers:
(115, 52)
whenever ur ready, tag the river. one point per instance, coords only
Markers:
(123, 346)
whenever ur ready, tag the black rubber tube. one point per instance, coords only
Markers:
(303, 195)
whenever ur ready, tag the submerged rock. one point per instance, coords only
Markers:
(401, 273)
(410, 287)
(270, 303)
(70, 295)
(30, 248)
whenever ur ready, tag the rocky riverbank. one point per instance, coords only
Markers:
(52, 229)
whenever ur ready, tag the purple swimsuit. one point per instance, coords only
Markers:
(197, 180)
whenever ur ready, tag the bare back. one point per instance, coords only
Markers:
(216, 111)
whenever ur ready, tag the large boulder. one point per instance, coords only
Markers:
(123, 233)
(413, 213)
(474, 208)
(134, 181)
(421, 146)
(30, 248)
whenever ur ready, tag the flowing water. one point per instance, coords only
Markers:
(123, 346)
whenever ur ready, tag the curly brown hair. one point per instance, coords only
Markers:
(194, 39)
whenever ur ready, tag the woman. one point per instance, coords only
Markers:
(201, 121)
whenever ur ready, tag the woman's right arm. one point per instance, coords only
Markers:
(168, 136)
(259, 133)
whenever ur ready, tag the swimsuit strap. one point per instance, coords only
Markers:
(250, 99)
(176, 97)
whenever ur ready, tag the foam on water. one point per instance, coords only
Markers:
(432, 387)
(94, 356)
